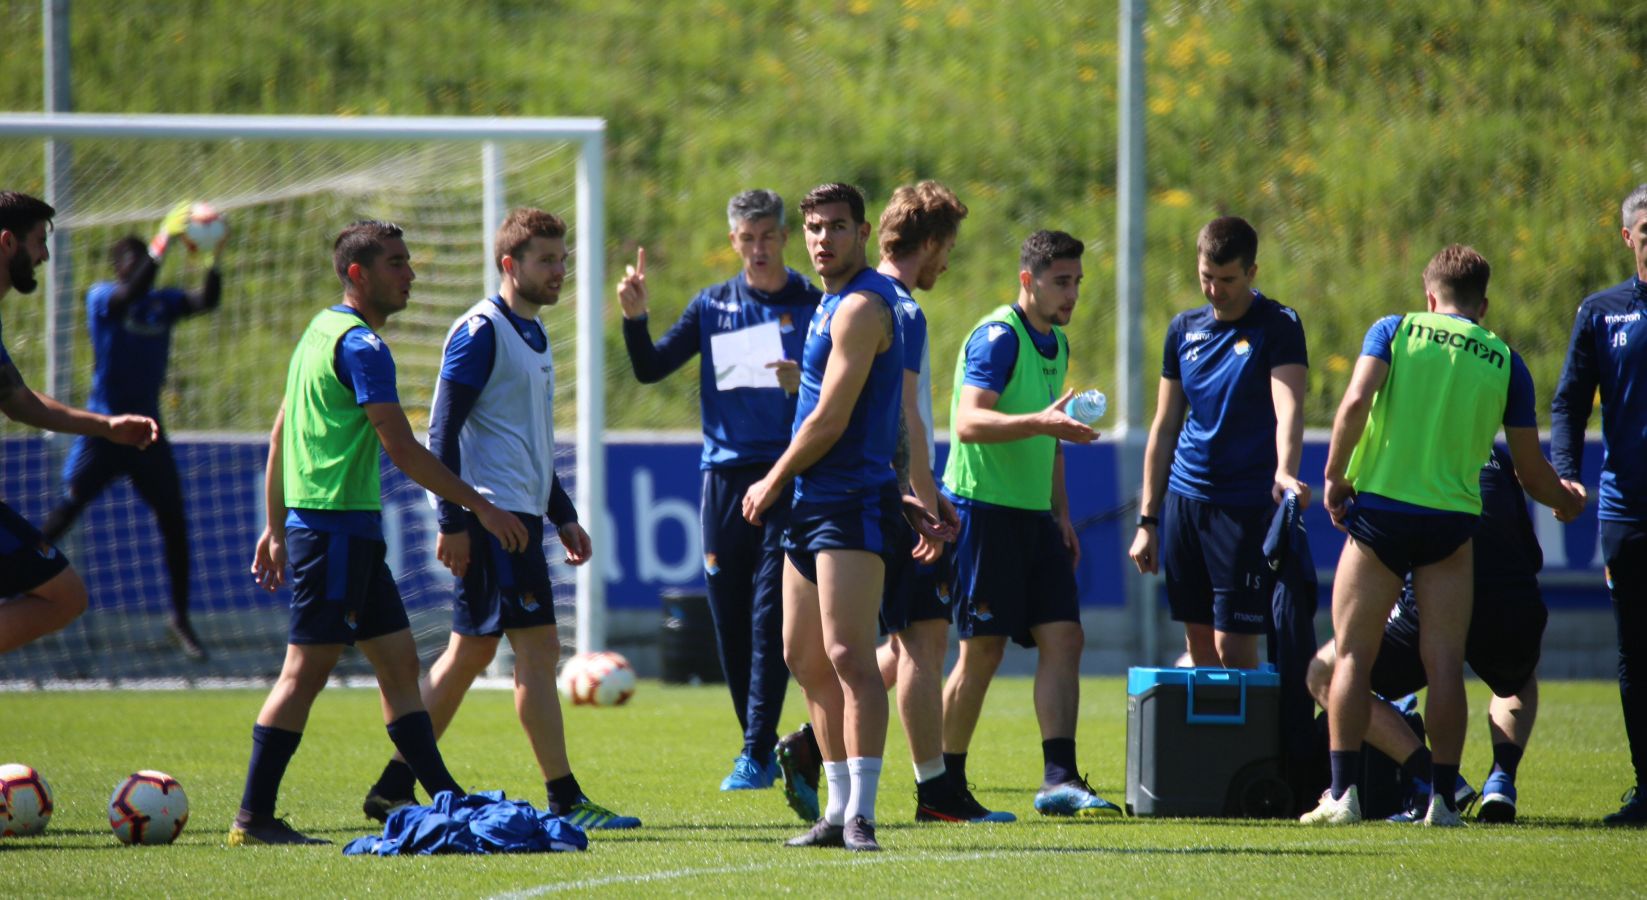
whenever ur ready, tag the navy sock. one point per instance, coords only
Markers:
(1417, 766)
(760, 748)
(414, 737)
(272, 749)
(396, 782)
(1346, 765)
(955, 765)
(1506, 757)
(564, 793)
(1443, 781)
(1059, 757)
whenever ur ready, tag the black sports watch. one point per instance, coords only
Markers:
(1148, 520)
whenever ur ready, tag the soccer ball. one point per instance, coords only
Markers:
(206, 228)
(25, 801)
(149, 807)
(597, 679)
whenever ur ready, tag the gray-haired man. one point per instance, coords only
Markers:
(745, 429)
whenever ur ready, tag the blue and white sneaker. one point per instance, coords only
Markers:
(1497, 798)
(749, 775)
(1073, 798)
(801, 763)
(1418, 805)
(591, 816)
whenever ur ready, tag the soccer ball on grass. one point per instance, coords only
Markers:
(597, 679)
(25, 801)
(149, 807)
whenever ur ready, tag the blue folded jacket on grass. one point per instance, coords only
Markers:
(484, 822)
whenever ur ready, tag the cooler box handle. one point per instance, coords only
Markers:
(1216, 678)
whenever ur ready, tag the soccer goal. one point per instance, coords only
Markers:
(287, 185)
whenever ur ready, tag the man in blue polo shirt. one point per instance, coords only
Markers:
(131, 322)
(745, 429)
(1231, 400)
(1609, 353)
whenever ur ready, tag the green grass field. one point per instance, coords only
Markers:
(662, 758)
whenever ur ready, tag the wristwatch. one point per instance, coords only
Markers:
(1148, 520)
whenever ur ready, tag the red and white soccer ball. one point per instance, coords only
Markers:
(207, 228)
(597, 679)
(25, 801)
(149, 807)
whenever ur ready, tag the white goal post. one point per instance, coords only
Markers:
(489, 135)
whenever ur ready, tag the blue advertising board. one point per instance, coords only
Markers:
(646, 541)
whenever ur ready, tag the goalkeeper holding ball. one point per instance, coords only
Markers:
(131, 322)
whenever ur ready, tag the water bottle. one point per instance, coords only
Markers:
(1087, 407)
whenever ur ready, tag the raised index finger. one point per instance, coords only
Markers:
(640, 260)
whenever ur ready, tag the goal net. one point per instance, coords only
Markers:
(286, 186)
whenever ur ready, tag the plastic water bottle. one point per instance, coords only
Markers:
(1087, 407)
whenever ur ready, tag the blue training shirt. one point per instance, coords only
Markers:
(363, 363)
(1226, 450)
(742, 426)
(918, 359)
(992, 352)
(1608, 352)
(131, 348)
(1520, 407)
(861, 460)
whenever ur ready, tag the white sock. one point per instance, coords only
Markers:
(926, 771)
(866, 779)
(839, 779)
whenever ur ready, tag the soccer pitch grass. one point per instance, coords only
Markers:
(662, 758)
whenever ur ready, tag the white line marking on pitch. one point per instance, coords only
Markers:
(677, 874)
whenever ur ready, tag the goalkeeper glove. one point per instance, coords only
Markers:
(171, 228)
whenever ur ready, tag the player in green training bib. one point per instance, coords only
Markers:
(324, 510)
(1427, 397)
(1016, 551)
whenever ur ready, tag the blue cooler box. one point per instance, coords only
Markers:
(1204, 742)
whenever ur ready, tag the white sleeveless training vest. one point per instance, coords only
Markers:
(508, 441)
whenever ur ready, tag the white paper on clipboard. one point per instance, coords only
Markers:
(741, 357)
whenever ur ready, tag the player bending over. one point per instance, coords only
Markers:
(324, 511)
(130, 323)
(39, 591)
(493, 423)
(1428, 395)
(1502, 647)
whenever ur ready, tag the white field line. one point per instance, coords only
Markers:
(1374, 837)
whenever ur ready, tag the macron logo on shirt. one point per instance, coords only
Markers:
(475, 324)
(372, 339)
(995, 333)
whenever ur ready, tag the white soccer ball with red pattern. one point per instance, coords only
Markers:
(206, 229)
(149, 807)
(597, 679)
(25, 801)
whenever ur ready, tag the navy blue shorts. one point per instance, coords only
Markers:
(873, 521)
(1012, 573)
(1213, 557)
(1405, 541)
(920, 594)
(27, 559)
(93, 463)
(1505, 640)
(502, 591)
(342, 590)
